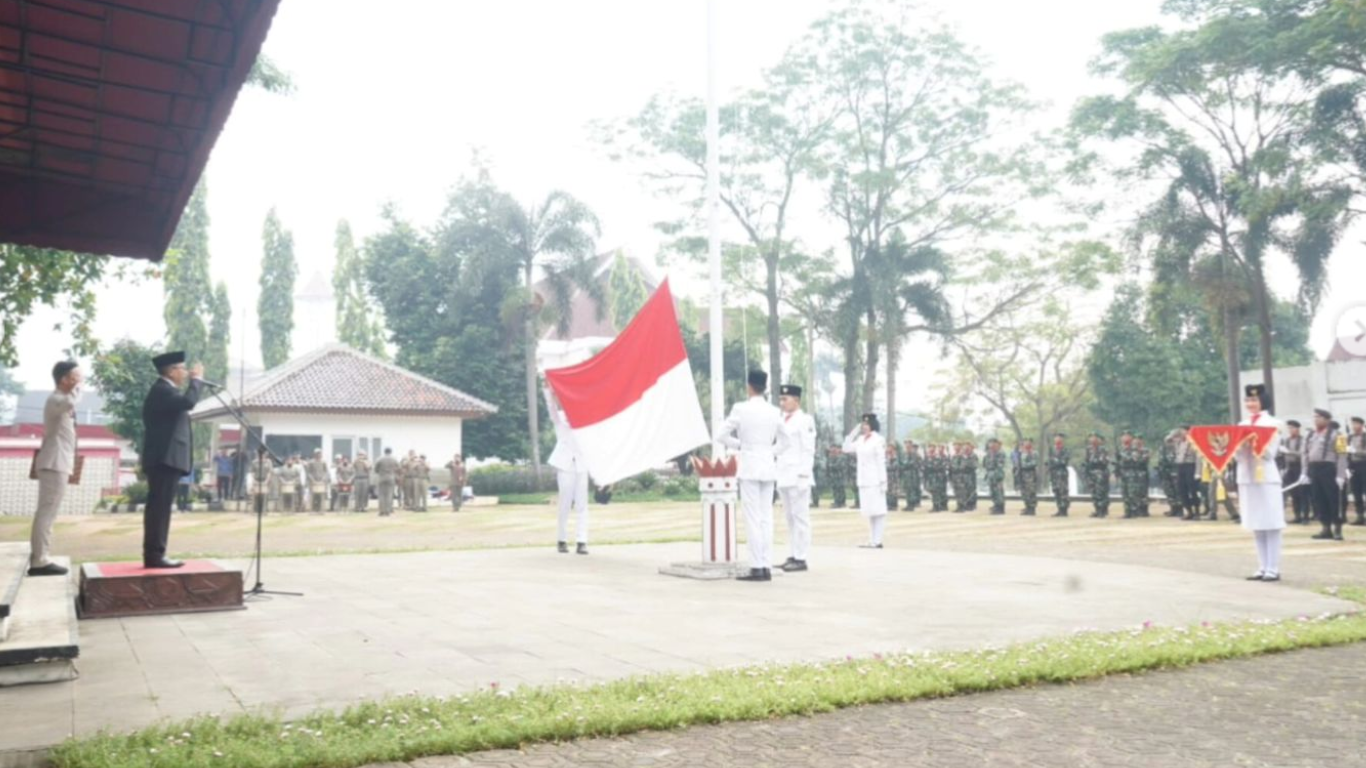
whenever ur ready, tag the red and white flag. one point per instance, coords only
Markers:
(634, 405)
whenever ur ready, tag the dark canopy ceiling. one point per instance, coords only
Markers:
(108, 111)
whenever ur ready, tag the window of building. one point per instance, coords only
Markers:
(285, 446)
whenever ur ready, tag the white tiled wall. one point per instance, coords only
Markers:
(19, 495)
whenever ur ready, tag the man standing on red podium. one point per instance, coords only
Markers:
(167, 450)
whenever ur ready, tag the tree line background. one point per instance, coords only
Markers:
(885, 187)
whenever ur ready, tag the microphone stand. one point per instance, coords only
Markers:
(258, 498)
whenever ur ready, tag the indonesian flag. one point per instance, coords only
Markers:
(634, 405)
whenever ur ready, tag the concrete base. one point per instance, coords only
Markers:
(13, 567)
(704, 571)
(43, 641)
(124, 589)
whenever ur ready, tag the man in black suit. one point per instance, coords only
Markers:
(167, 449)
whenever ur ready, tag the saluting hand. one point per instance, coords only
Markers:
(197, 371)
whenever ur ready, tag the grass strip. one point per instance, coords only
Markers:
(408, 727)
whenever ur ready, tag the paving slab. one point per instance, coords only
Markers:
(447, 622)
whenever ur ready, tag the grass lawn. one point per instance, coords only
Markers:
(406, 728)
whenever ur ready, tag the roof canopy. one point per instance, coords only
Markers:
(108, 111)
(338, 379)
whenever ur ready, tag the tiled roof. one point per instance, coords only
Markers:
(337, 378)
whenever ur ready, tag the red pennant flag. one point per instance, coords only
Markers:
(1218, 444)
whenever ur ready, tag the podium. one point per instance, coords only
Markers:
(720, 502)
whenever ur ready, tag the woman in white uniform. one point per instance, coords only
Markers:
(1259, 487)
(870, 448)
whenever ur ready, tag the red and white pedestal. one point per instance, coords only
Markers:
(720, 503)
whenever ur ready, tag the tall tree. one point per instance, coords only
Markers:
(357, 325)
(771, 137)
(1224, 139)
(626, 291)
(917, 148)
(275, 306)
(37, 277)
(555, 236)
(185, 279)
(220, 334)
(446, 298)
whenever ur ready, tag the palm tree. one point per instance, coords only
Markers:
(908, 292)
(558, 235)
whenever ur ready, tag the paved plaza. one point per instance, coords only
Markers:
(445, 622)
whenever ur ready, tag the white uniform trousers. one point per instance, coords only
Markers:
(573, 495)
(51, 490)
(756, 499)
(1269, 545)
(797, 506)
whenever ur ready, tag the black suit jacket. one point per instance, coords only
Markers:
(166, 420)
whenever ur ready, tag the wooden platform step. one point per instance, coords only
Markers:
(13, 566)
(127, 589)
(43, 641)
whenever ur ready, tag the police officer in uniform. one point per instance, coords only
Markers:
(386, 474)
(316, 469)
(1356, 468)
(1325, 469)
(361, 481)
(1292, 449)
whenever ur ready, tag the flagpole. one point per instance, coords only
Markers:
(715, 325)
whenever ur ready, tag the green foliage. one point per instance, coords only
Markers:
(185, 280)
(35, 277)
(10, 385)
(268, 76)
(626, 291)
(124, 374)
(275, 306)
(358, 326)
(443, 297)
(136, 493)
(509, 480)
(220, 334)
(406, 728)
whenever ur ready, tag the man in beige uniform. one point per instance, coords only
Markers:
(316, 470)
(362, 482)
(386, 473)
(55, 462)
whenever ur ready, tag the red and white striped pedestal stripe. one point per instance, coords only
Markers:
(719, 502)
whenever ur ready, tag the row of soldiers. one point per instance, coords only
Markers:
(347, 484)
(954, 468)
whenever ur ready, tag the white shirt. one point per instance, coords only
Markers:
(566, 457)
(871, 450)
(1248, 460)
(755, 427)
(798, 459)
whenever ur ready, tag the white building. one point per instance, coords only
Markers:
(1337, 384)
(343, 401)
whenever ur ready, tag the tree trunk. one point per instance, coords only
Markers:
(851, 378)
(1231, 332)
(775, 359)
(870, 362)
(532, 408)
(892, 355)
(1264, 326)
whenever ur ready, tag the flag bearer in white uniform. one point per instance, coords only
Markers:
(866, 443)
(571, 478)
(755, 427)
(1259, 488)
(796, 463)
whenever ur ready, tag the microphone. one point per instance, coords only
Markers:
(208, 383)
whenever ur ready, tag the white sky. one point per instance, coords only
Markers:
(392, 98)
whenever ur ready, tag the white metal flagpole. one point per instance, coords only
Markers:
(716, 324)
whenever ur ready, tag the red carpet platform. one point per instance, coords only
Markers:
(128, 589)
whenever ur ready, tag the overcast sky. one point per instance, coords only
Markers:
(393, 97)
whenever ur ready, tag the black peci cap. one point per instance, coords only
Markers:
(791, 390)
(168, 358)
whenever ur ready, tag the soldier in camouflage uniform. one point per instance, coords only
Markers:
(1097, 467)
(1166, 473)
(1143, 459)
(970, 467)
(818, 478)
(1059, 458)
(1126, 445)
(1029, 477)
(957, 462)
(911, 468)
(893, 474)
(834, 466)
(851, 475)
(994, 472)
(936, 478)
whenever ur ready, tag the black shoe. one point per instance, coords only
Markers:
(1277, 577)
(1337, 536)
(162, 563)
(1323, 536)
(1027, 513)
(562, 548)
(870, 546)
(1059, 514)
(581, 549)
(51, 569)
(1256, 577)
(1358, 521)
(794, 565)
(756, 574)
